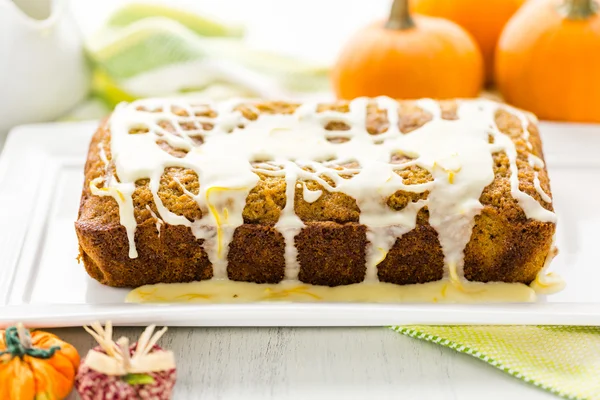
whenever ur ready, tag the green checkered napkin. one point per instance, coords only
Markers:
(147, 50)
(564, 360)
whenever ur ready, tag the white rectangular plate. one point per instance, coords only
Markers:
(42, 284)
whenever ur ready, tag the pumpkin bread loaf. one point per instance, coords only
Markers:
(332, 245)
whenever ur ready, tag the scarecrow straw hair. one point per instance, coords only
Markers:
(118, 361)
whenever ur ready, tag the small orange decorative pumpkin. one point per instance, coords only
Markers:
(406, 57)
(548, 60)
(484, 19)
(36, 365)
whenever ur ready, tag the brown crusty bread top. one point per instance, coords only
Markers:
(267, 199)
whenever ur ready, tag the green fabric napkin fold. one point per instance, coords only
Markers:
(564, 360)
(148, 49)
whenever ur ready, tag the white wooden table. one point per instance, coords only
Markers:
(321, 363)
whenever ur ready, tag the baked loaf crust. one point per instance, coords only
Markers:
(332, 246)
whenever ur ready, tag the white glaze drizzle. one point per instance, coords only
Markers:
(548, 282)
(289, 224)
(310, 196)
(537, 163)
(455, 152)
(122, 193)
(525, 124)
(159, 222)
(530, 206)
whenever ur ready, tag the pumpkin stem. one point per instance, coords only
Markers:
(24, 335)
(578, 9)
(400, 16)
(18, 344)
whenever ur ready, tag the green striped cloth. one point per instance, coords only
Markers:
(152, 50)
(148, 50)
(565, 360)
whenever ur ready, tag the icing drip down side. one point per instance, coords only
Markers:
(457, 153)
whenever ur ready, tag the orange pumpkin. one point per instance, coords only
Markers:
(406, 57)
(36, 365)
(548, 60)
(484, 19)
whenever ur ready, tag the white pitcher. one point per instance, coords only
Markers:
(43, 72)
